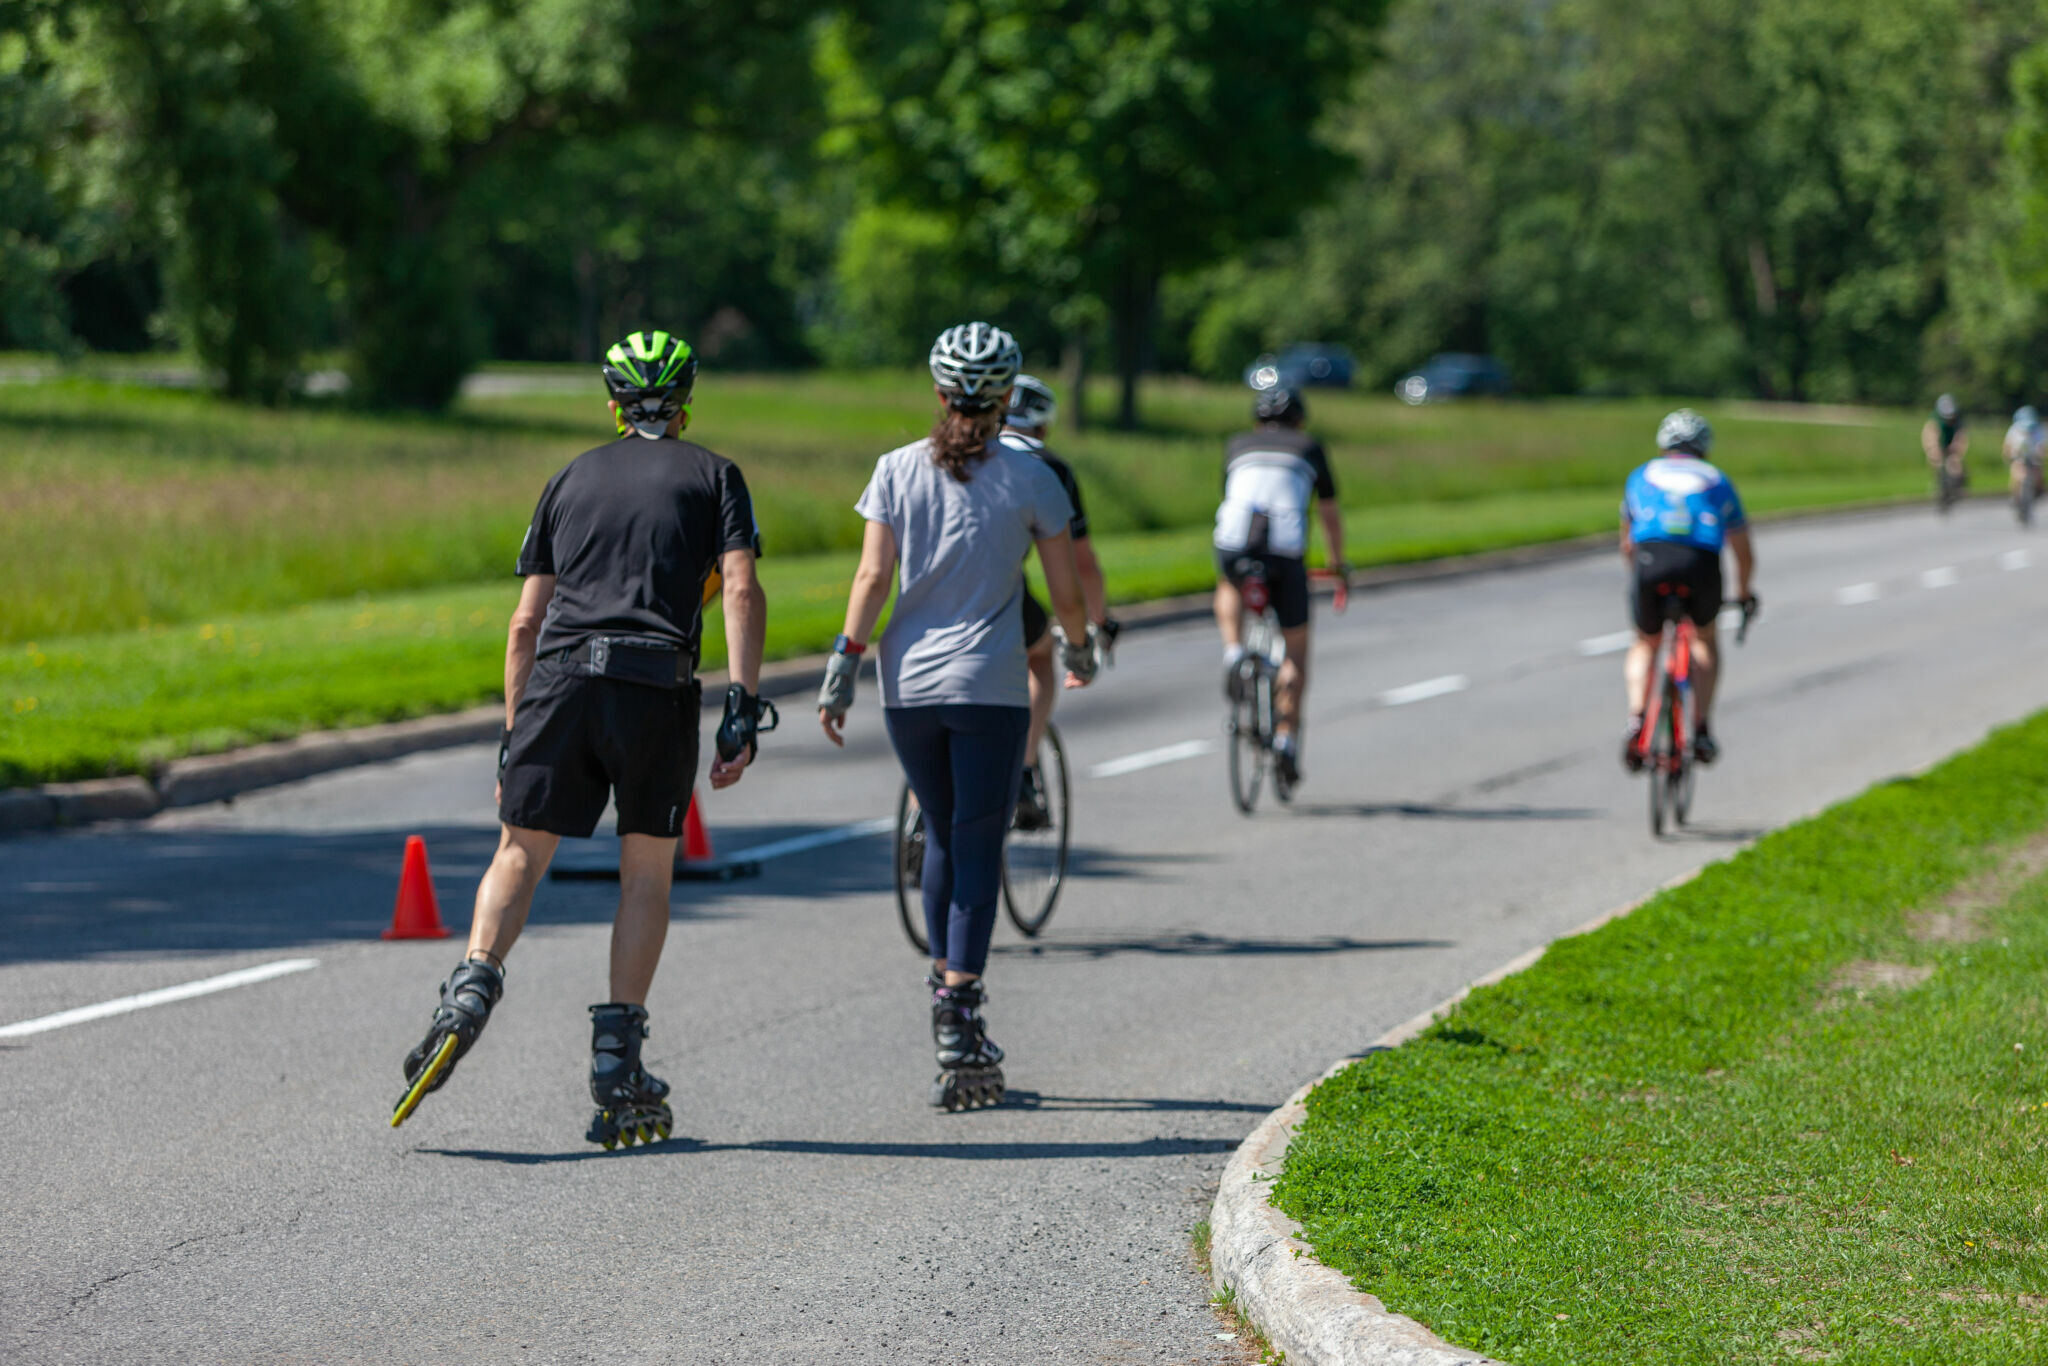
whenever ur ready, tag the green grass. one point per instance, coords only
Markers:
(349, 554)
(1681, 1138)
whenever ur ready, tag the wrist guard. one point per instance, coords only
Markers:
(835, 694)
(504, 746)
(743, 724)
(1083, 660)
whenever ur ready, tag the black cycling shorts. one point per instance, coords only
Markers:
(1286, 581)
(577, 740)
(1036, 620)
(1674, 569)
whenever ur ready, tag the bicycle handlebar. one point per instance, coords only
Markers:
(1340, 598)
(1750, 607)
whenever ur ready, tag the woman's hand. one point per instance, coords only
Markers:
(835, 726)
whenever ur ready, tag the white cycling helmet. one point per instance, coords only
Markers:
(1032, 405)
(974, 363)
(2025, 417)
(1685, 430)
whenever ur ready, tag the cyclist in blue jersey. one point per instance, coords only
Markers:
(1677, 511)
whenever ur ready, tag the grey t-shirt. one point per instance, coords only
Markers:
(957, 632)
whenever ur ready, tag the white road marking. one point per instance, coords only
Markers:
(1939, 578)
(1152, 758)
(1426, 689)
(162, 996)
(1606, 645)
(2015, 559)
(817, 839)
(1857, 592)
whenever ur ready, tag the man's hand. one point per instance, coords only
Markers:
(737, 741)
(504, 748)
(1082, 662)
(835, 694)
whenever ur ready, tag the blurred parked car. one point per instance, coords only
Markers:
(1301, 366)
(1453, 374)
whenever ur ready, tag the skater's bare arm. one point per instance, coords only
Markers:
(746, 618)
(524, 638)
(871, 582)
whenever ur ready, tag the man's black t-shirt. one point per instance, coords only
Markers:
(1077, 526)
(631, 531)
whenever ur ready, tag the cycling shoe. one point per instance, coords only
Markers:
(1632, 746)
(1704, 750)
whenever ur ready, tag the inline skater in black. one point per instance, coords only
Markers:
(950, 520)
(1030, 416)
(602, 702)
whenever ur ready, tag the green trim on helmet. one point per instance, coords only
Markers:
(618, 358)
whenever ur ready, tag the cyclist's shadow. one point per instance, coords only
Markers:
(1445, 811)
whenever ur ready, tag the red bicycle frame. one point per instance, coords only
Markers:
(1681, 675)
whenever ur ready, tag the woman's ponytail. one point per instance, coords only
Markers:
(960, 440)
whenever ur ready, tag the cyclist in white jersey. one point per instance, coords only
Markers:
(1271, 477)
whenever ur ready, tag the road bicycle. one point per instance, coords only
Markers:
(1664, 745)
(1254, 682)
(1950, 483)
(1034, 852)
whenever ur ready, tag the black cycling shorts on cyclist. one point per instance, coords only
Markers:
(1272, 476)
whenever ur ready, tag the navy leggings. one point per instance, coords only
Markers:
(964, 763)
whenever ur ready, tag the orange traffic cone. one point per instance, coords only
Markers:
(418, 914)
(696, 839)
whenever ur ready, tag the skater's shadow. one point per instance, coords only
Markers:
(1194, 944)
(996, 1151)
(1032, 1100)
(1716, 834)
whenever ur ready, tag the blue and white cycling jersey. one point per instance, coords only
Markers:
(1681, 498)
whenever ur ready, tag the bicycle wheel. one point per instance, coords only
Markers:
(1661, 760)
(910, 869)
(1035, 861)
(1247, 743)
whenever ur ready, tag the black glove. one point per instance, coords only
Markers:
(504, 746)
(743, 723)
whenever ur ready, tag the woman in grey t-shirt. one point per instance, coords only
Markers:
(951, 518)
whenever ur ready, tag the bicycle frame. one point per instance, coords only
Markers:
(1679, 670)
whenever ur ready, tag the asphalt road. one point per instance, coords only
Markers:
(213, 1179)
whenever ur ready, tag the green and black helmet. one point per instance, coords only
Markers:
(650, 376)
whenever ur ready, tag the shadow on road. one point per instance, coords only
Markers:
(1194, 944)
(1710, 833)
(1439, 811)
(125, 889)
(957, 1152)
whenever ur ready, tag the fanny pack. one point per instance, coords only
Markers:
(654, 663)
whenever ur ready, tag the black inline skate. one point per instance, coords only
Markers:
(631, 1104)
(970, 1064)
(466, 1000)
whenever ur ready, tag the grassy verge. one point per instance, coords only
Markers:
(122, 701)
(1793, 1110)
(123, 506)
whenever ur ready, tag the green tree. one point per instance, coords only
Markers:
(1093, 148)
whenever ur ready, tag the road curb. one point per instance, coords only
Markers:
(1313, 1314)
(218, 777)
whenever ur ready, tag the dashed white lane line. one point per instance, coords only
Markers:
(1857, 592)
(1941, 577)
(1607, 644)
(1152, 758)
(1427, 688)
(817, 839)
(2015, 559)
(163, 996)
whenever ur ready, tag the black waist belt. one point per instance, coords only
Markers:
(656, 663)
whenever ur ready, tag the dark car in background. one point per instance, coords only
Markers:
(1453, 374)
(1303, 366)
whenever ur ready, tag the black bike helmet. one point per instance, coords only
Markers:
(650, 376)
(1279, 404)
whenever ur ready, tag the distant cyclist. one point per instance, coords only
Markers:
(1946, 440)
(1677, 512)
(2023, 441)
(1030, 417)
(1271, 476)
(949, 522)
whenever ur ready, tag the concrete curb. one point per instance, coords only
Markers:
(217, 777)
(1310, 1312)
